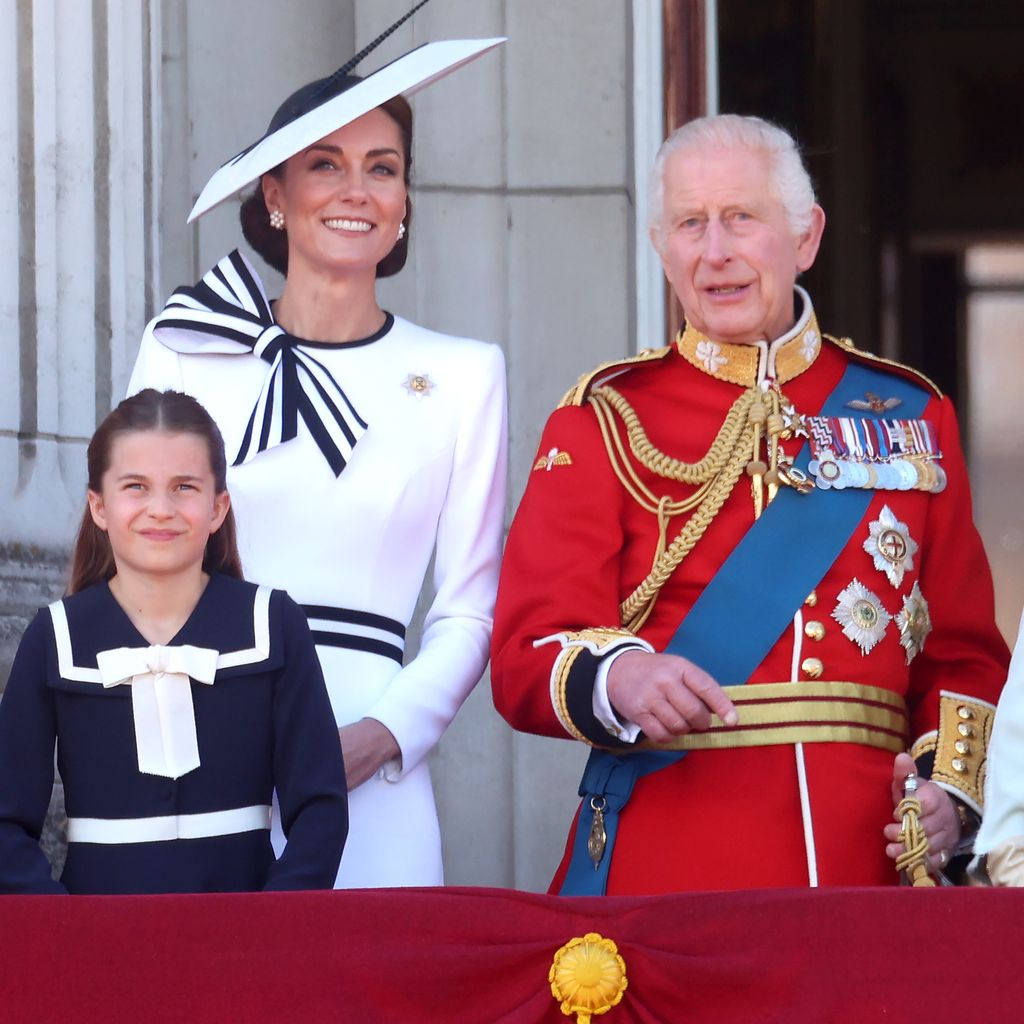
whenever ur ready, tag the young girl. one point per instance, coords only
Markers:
(179, 696)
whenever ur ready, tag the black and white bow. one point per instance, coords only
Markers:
(228, 313)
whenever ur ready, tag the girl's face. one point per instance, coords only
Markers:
(158, 503)
(343, 198)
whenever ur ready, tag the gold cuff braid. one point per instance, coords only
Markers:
(597, 640)
(961, 746)
(925, 744)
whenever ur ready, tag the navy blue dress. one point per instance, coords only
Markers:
(265, 723)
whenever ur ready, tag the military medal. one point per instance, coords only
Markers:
(858, 474)
(874, 453)
(907, 475)
(826, 471)
(598, 838)
(914, 623)
(861, 615)
(792, 420)
(890, 546)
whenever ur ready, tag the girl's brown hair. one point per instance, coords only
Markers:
(173, 413)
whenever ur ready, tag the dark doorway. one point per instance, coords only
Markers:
(910, 112)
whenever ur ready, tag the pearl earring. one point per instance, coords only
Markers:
(401, 232)
(277, 219)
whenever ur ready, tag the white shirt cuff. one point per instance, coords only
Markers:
(602, 706)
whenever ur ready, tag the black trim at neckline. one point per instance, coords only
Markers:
(389, 322)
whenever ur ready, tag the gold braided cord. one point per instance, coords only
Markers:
(714, 477)
(914, 859)
(652, 458)
(623, 466)
(638, 606)
(755, 420)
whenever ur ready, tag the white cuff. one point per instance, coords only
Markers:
(603, 710)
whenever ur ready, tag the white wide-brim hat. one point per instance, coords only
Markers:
(406, 75)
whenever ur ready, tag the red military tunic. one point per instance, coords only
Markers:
(779, 815)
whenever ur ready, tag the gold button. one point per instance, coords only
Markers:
(959, 764)
(964, 729)
(814, 630)
(965, 713)
(811, 600)
(812, 667)
(962, 747)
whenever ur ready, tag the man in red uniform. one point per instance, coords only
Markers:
(745, 570)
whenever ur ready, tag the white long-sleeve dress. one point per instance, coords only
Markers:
(426, 478)
(1001, 836)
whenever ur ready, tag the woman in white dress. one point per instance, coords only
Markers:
(363, 445)
(999, 846)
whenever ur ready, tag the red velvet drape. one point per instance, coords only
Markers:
(482, 955)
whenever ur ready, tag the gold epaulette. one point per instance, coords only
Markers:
(577, 394)
(890, 364)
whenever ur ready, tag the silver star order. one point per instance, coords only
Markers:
(861, 615)
(891, 546)
(914, 623)
(419, 385)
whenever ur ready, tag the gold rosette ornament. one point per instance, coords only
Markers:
(588, 977)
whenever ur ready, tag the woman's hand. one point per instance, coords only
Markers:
(367, 745)
(938, 818)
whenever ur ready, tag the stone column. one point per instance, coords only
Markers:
(76, 275)
(76, 134)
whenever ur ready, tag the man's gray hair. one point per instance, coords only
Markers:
(790, 181)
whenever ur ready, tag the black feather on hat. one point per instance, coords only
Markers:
(322, 107)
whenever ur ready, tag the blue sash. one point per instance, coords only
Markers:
(793, 544)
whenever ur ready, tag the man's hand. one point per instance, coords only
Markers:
(366, 745)
(939, 819)
(666, 695)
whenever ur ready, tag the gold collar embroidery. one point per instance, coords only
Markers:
(740, 364)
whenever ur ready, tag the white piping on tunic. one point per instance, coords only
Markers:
(801, 766)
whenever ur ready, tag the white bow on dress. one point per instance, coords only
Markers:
(165, 721)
